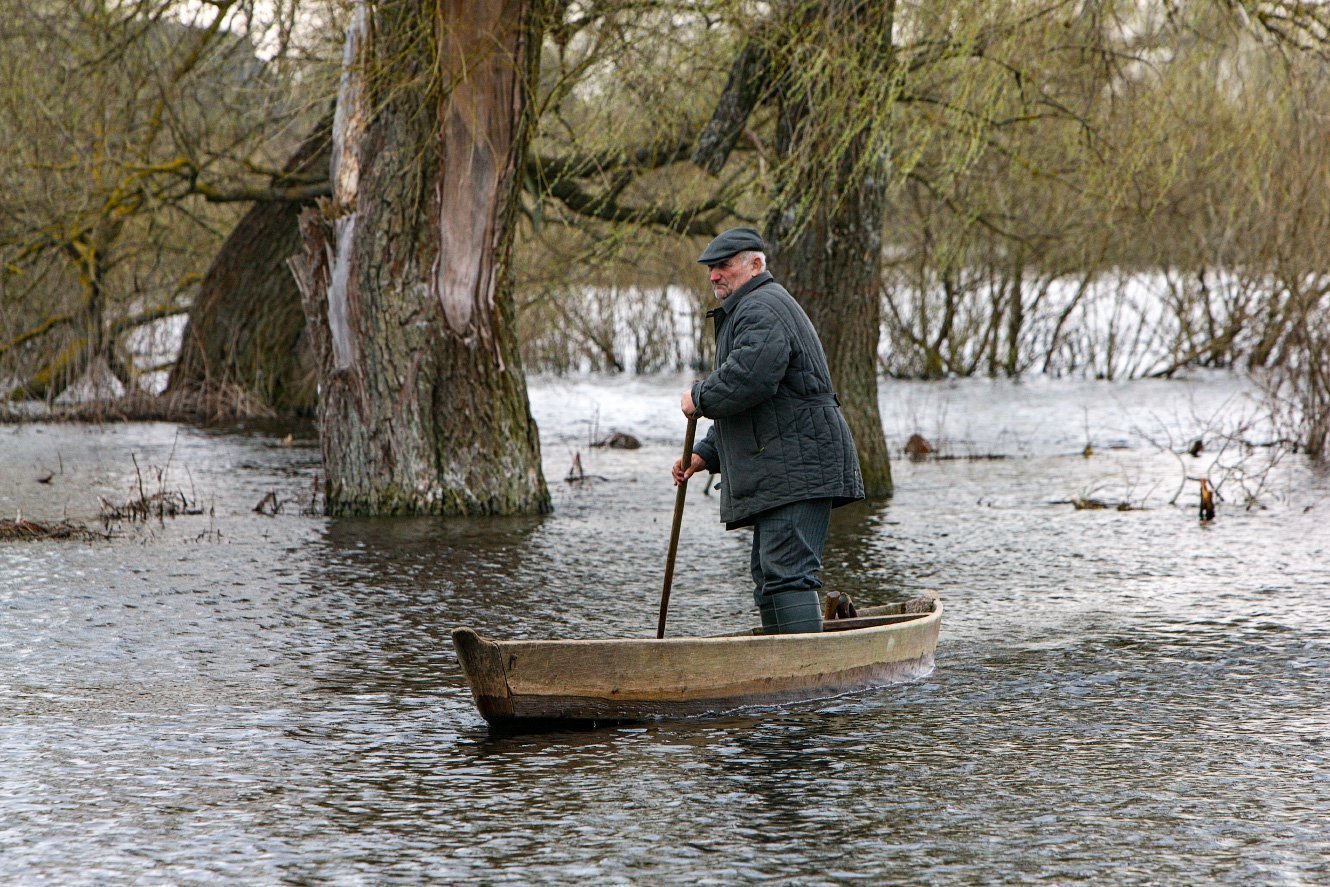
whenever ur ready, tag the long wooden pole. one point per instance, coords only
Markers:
(679, 498)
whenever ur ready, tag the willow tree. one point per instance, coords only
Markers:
(131, 129)
(862, 101)
(827, 66)
(405, 274)
(825, 224)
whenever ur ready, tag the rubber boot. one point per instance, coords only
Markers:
(797, 612)
(768, 611)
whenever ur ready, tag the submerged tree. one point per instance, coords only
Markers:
(825, 224)
(829, 69)
(244, 350)
(406, 273)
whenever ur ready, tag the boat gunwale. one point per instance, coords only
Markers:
(808, 637)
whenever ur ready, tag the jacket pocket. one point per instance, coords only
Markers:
(747, 442)
(764, 428)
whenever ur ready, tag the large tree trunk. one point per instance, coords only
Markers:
(833, 266)
(405, 275)
(825, 226)
(244, 345)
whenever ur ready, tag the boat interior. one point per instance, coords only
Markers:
(841, 615)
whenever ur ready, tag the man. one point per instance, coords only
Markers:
(779, 441)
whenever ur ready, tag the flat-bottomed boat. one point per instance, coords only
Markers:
(522, 684)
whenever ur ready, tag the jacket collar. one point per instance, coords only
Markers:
(728, 305)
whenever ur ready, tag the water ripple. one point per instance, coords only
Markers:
(1119, 697)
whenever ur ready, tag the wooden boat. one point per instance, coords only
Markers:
(522, 684)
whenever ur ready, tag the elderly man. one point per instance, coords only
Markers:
(779, 441)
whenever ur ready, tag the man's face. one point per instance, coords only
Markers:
(732, 273)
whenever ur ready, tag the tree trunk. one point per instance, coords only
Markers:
(825, 229)
(406, 277)
(90, 255)
(833, 267)
(245, 338)
(1015, 317)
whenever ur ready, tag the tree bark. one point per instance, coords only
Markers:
(245, 338)
(825, 229)
(833, 266)
(405, 275)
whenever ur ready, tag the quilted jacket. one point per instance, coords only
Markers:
(778, 435)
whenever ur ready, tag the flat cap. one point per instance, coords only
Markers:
(730, 242)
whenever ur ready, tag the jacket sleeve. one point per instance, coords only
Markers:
(706, 448)
(752, 370)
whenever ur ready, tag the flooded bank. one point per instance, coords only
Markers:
(227, 696)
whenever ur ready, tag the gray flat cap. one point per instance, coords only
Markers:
(733, 241)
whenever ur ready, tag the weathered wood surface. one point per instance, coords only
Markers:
(634, 679)
(484, 672)
(406, 275)
(851, 623)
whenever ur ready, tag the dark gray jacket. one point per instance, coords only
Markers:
(778, 436)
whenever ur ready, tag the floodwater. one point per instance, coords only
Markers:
(1124, 697)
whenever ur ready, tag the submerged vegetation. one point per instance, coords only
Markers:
(1078, 187)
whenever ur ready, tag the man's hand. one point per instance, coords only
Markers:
(686, 404)
(680, 475)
